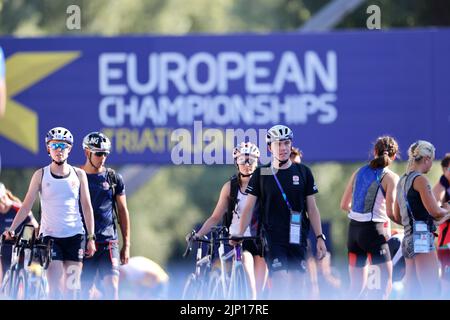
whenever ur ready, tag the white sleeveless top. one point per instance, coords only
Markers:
(378, 213)
(240, 204)
(61, 217)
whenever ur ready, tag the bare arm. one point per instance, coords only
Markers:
(88, 213)
(422, 186)
(216, 216)
(439, 193)
(314, 215)
(389, 184)
(124, 217)
(346, 201)
(30, 197)
(247, 212)
(85, 200)
(314, 218)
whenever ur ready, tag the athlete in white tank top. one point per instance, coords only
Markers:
(240, 204)
(60, 203)
(61, 220)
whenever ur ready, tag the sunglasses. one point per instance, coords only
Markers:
(58, 145)
(101, 153)
(250, 161)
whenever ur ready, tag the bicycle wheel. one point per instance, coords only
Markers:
(20, 288)
(193, 288)
(215, 286)
(239, 287)
(37, 289)
(6, 285)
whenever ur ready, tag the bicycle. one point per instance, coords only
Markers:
(220, 283)
(26, 278)
(234, 283)
(195, 284)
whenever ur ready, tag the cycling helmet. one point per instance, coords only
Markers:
(278, 133)
(60, 134)
(246, 148)
(96, 141)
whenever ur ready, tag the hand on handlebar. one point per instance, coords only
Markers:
(8, 235)
(235, 242)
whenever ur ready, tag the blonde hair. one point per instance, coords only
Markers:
(418, 150)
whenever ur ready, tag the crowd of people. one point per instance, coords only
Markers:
(275, 203)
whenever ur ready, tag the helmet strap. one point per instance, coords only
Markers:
(244, 175)
(59, 163)
(240, 173)
(90, 161)
(282, 163)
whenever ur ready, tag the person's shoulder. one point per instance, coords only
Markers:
(79, 171)
(419, 180)
(303, 168)
(391, 175)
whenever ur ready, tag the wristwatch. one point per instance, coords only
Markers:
(321, 236)
(91, 237)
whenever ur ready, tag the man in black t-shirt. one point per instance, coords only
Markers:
(286, 218)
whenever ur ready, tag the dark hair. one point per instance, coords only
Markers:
(385, 148)
(446, 161)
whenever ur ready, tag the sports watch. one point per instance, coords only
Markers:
(91, 237)
(321, 236)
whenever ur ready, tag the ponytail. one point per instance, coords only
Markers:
(380, 161)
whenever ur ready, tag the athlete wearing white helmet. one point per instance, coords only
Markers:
(245, 152)
(228, 211)
(279, 133)
(62, 189)
(59, 134)
(285, 193)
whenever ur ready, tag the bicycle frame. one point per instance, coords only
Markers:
(235, 256)
(26, 248)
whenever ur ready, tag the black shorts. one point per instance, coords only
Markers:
(105, 262)
(285, 256)
(6, 256)
(253, 246)
(68, 249)
(367, 240)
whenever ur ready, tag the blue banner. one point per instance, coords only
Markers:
(189, 99)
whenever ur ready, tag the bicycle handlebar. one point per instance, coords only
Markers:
(237, 239)
(192, 240)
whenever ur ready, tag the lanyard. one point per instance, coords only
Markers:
(281, 189)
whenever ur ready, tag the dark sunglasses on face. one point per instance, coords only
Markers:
(250, 161)
(59, 145)
(101, 153)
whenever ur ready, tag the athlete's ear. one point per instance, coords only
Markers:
(269, 148)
